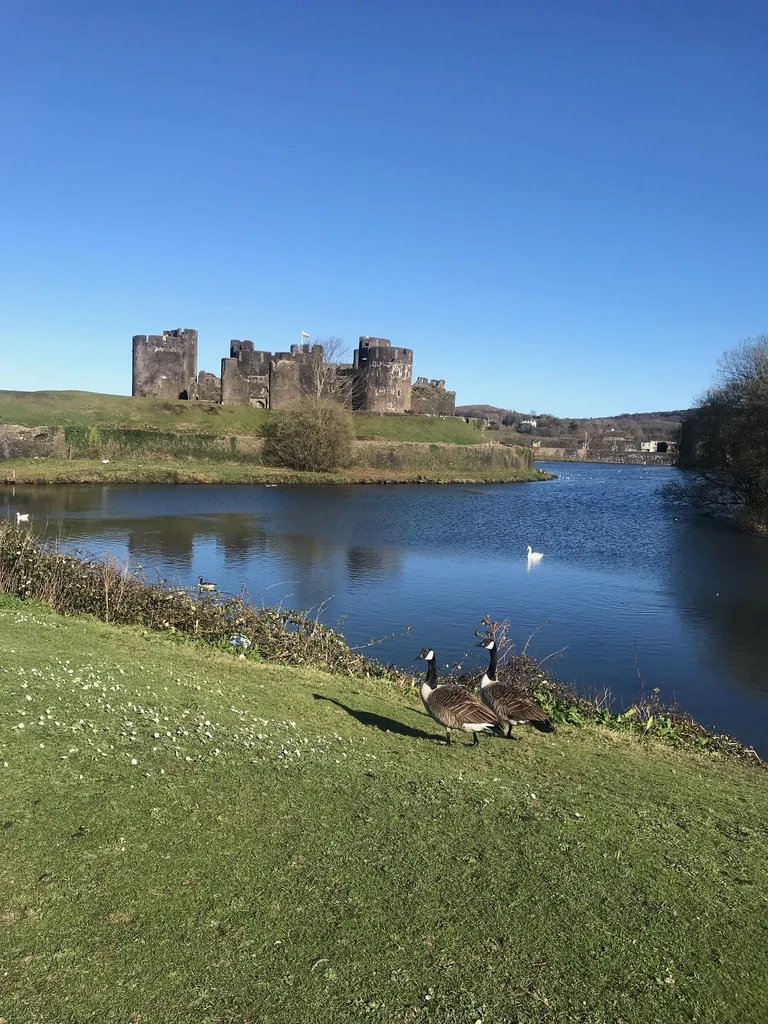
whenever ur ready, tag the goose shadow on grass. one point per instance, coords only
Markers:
(373, 721)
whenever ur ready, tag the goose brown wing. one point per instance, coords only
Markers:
(513, 705)
(454, 707)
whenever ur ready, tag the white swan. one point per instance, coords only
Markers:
(22, 517)
(534, 556)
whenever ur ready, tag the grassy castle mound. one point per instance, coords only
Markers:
(80, 437)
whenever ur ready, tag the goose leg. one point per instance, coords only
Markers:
(448, 737)
(475, 740)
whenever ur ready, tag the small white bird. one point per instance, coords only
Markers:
(104, 461)
(22, 517)
(238, 640)
(534, 556)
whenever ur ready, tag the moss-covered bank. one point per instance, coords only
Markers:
(86, 471)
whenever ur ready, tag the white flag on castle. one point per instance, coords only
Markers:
(304, 334)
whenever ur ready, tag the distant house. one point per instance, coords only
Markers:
(527, 423)
(662, 447)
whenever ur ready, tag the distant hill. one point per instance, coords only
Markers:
(643, 426)
(675, 415)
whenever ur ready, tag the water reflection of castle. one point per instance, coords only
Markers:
(242, 538)
(368, 565)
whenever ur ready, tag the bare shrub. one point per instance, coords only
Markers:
(314, 434)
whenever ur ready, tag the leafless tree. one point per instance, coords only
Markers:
(331, 377)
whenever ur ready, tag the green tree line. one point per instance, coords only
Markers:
(724, 441)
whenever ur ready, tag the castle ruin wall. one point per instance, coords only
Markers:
(245, 376)
(284, 380)
(429, 398)
(378, 380)
(207, 388)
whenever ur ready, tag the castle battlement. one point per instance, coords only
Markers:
(165, 366)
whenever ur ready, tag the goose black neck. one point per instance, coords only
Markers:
(494, 653)
(432, 672)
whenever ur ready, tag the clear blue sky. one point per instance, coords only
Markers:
(559, 206)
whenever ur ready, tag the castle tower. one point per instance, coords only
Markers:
(164, 365)
(245, 376)
(384, 376)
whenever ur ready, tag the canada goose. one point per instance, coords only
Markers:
(22, 517)
(452, 706)
(509, 702)
(203, 585)
(534, 556)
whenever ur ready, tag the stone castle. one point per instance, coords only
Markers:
(380, 378)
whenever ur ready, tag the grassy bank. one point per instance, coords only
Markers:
(187, 836)
(88, 471)
(88, 410)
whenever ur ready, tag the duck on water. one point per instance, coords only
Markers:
(452, 706)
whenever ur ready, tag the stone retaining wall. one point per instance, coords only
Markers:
(163, 446)
(619, 458)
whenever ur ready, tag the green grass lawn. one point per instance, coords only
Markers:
(452, 430)
(89, 409)
(186, 836)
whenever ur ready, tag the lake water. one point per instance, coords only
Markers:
(629, 596)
